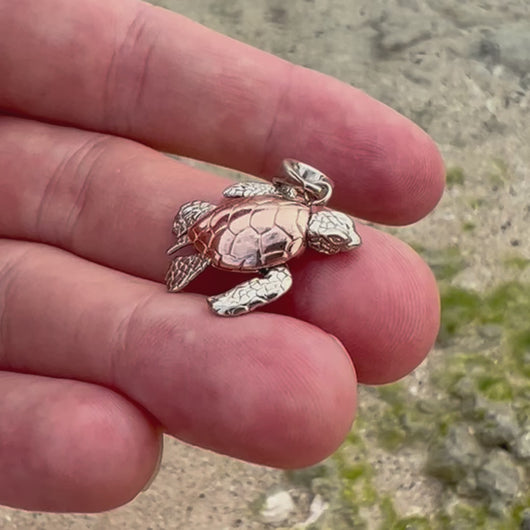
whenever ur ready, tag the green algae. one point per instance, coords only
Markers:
(503, 375)
(465, 516)
(516, 262)
(454, 176)
(499, 172)
(445, 263)
(468, 226)
(460, 308)
(388, 512)
(391, 520)
(519, 342)
(508, 305)
(495, 388)
(356, 474)
(476, 203)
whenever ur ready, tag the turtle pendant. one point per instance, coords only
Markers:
(257, 229)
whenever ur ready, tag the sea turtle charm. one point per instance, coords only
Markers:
(258, 228)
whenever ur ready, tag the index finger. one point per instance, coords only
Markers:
(128, 68)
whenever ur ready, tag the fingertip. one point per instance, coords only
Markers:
(113, 452)
(386, 168)
(79, 447)
(415, 163)
(264, 388)
(326, 384)
(392, 170)
(307, 394)
(406, 315)
(381, 300)
(118, 449)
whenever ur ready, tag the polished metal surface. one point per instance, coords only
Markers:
(312, 186)
(252, 233)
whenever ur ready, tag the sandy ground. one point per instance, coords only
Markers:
(461, 71)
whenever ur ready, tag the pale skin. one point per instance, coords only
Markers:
(96, 358)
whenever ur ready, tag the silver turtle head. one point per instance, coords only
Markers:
(330, 232)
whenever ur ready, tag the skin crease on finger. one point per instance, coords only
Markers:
(151, 75)
(112, 201)
(267, 388)
(77, 447)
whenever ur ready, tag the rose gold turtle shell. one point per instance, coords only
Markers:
(251, 234)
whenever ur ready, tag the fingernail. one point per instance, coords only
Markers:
(157, 467)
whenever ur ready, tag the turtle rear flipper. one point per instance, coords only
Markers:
(188, 214)
(183, 270)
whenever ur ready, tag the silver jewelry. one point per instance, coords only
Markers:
(258, 228)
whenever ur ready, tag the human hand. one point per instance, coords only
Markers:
(96, 358)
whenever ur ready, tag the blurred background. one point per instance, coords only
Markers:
(449, 446)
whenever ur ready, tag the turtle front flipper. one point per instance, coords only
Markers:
(253, 293)
(183, 270)
(252, 189)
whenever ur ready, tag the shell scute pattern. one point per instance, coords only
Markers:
(252, 233)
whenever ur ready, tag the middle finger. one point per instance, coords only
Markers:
(112, 201)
